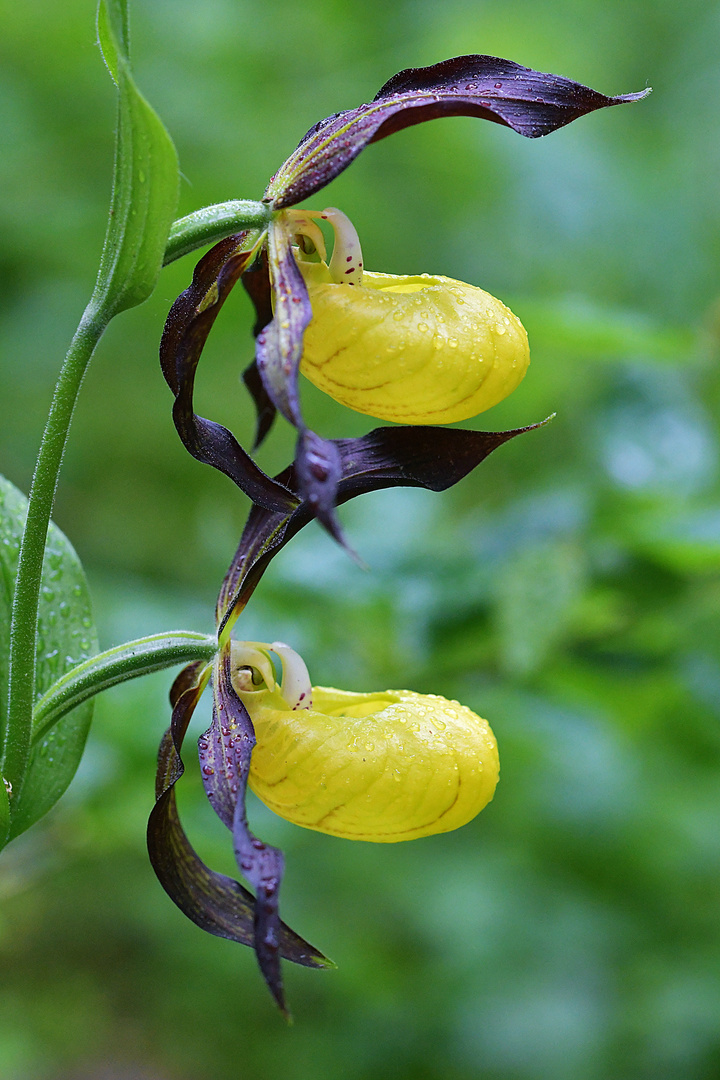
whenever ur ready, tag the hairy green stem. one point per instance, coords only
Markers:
(23, 627)
(117, 665)
(214, 223)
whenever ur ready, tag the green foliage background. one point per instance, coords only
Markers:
(568, 590)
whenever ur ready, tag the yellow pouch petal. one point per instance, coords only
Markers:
(383, 767)
(414, 350)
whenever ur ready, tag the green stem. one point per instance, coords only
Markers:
(128, 661)
(23, 626)
(214, 223)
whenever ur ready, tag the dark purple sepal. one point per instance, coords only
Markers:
(186, 330)
(265, 411)
(183, 312)
(428, 457)
(225, 750)
(214, 902)
(533, 103)
(264, 532)
(422, 456)
(256, 282)
(279, 345)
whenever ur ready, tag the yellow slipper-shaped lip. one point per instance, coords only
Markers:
(385, 767)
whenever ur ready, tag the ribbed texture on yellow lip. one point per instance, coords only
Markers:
(414, 350)
(383, 767)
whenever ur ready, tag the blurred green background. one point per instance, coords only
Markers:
(568, 590)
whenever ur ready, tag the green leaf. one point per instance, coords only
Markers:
(4, 815)
(145, 185)
(66, 635)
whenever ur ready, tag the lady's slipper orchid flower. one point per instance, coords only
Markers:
(387, 457)
(417, 350)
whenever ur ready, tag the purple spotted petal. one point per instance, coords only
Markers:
(412, 456)
(279, 346)
(318, 468)
(278, 350)
(530, 102)
(190, 320)
(225, 750)
(213, 901)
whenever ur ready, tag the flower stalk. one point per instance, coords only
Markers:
(23, 628)
(214, 223)
(117, 665)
